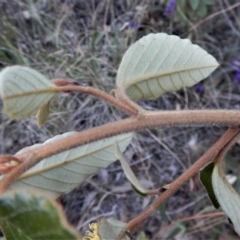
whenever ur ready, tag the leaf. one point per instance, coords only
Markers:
(27, 215)
(208, 2)
(194, 4)
(227, 197)
(162, 210)
(129, 173)
(142, 236)
(24, 91)
(159, 63)
(42, 114)
(111, 228)
(64, 171)
(206, 180)
(202, 9)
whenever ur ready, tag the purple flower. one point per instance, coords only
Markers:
(199, 88)
(170, 8)
(236, 66)
(237, 76)
(133, 25)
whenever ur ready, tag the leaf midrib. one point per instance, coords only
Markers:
(45, 169)
(155, 75)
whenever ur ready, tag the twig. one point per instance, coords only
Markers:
(149, 119)
(214, 15)
(67, 85)
(176, 184)
(199, 216)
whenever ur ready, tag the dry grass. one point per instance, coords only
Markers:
(81, 40)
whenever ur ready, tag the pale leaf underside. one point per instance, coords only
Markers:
(110, 228)
(62, 172)
(24, 91)
(227, 197)
(160, 63)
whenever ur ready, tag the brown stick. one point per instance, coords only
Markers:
(65, 85)
(201, 162)
(149, 119)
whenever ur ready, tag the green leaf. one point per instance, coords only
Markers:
(159, 63)
(194, 4)
(227, 197)
(181, 3)
(129, 173)
(206, 180)
(202, 9)
(25, 215)
(42, 114)
(208, 2)
(111, 228)
(64, 171)
(162, 210)
(24, 91)
(142, 236)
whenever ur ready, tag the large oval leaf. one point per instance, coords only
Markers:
(227, 197)
(62, 172)
(159, 63)
(27, 215)
(24, 91)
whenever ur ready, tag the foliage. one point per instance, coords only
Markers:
(64, 161)
(28, 215)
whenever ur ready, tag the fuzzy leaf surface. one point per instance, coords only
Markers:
(64, 171)
(128, 172)
(24, 91)
(27, 215)
(159, 63)
(227, 197)
(111, 228)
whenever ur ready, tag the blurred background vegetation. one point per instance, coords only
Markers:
(85, 40)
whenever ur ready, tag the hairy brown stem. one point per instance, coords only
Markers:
(176, 184)
(63, 87)
(149, 119)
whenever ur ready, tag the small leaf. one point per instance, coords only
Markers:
(159, 63)
(42, 114)
(129, 173)
(202, 9)
(111, 228)
(227, 197)
(62, 172)
(142, 236)
(162, 210)
(24, 91)
(206, 180)
(27, 215)
(194, 4)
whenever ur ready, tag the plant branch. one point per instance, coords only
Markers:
(65, 85)
(176, 184)
(198, 216)
(149, 119)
